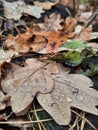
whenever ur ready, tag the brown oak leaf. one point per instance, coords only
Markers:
(70, 24)
(55, 39)
(24, 42)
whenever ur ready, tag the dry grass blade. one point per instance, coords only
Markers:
(35, 113)
(24, 122)
(86, 120)
(75, 123)
(29, 117)
(82, 122)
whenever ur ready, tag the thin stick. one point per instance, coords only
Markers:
(24, 122)
(88, 23)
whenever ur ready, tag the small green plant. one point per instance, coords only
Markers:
(85, 1)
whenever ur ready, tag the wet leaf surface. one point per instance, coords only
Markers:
(70, 91)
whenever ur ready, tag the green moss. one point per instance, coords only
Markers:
(76, 44)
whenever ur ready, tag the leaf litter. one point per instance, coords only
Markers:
(56, 88)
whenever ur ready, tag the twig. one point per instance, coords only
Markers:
(88, 23)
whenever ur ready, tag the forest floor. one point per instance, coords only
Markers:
(32, 32)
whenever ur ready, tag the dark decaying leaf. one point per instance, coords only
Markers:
(71, 90)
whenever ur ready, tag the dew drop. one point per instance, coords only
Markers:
(69, 99)
(56, 97)
(51, 104)
(13, 8)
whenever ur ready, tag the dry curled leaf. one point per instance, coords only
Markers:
(71, 90)
(70, 24)
(25, 42)
(38, 43)
(55, 39)
(46, 5)
(52, 23)
(23, 83)
(14, 10)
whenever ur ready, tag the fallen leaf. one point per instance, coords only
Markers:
(25, 42)
(14, 10)
(2, 116)
(66, 2)
(52, 23)
(52, 67)
(23, 83)
(86, 15)
(94, 45)
(70, 24)
(3, 101)
(6, 55)
(71, 90)
(55, 39)
(45, 5)
(85, 34)
(38, 43)
(17, 43)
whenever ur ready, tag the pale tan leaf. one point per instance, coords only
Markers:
(94, 45)
(6, 55)
(85, 34)
(71, 90)
(66, 2)
(15, 10)
(45, 5)
(3, 100)
(52, 23)
(52, 68)
(23, 83)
